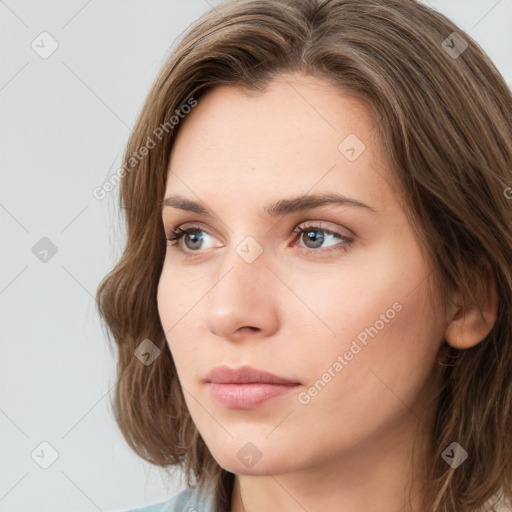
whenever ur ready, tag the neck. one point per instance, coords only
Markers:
(375, 476)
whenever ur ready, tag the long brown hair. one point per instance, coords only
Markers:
(444, 114)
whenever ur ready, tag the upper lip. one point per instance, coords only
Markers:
(244, 375)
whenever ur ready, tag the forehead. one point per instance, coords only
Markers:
(299, 132)
(292, 108)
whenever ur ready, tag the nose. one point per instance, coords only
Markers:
(242, 302)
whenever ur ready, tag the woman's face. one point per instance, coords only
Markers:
(341, 309)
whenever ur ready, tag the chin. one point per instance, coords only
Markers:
(256, 467)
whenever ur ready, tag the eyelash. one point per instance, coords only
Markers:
(175, 236)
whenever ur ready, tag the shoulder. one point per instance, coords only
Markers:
(189, 500)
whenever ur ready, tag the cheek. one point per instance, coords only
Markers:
(351, 295)
(174, 304)
(178, 296)
(376, 382)
(375, 309)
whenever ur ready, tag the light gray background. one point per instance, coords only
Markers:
(63, 126)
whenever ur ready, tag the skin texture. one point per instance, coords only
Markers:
(293, 313)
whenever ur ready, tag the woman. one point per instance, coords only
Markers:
(313, 308)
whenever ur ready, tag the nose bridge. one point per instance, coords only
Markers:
(240, 296)
(243, 267)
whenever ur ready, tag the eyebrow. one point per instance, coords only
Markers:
(281, 207)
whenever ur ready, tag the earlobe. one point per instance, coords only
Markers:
(469, 327)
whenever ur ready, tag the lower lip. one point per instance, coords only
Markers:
(247, 396)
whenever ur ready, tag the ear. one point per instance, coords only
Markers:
(467, 328)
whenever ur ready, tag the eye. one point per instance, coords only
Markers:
(193, 233)
(309, 233)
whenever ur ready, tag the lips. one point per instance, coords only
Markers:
(245, 375)
(246, 387)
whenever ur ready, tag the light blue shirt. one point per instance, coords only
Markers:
(188, 500)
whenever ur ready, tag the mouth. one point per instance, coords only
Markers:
(247, 396)
(246, 387)
(245, 375)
